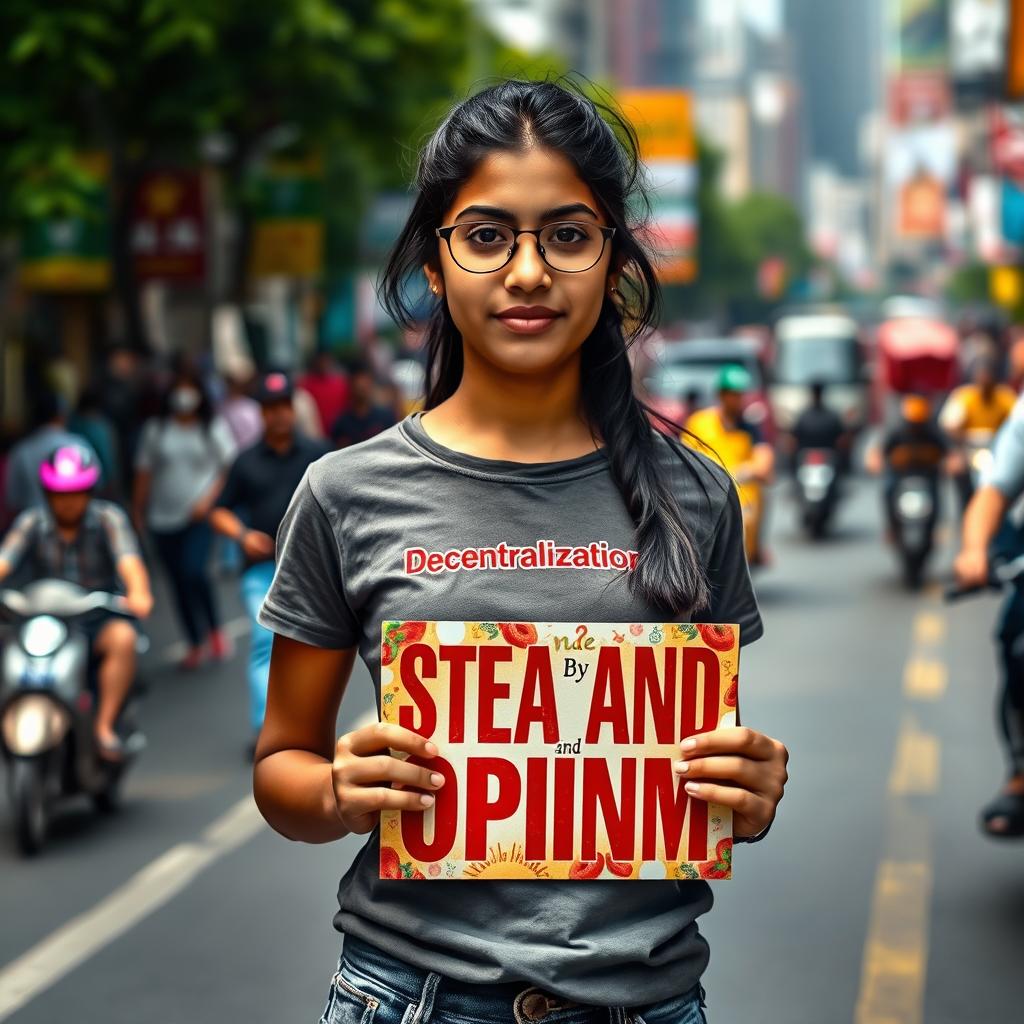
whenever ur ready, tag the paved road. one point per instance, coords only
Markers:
(875, 898)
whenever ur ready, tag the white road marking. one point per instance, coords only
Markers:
(145, 892)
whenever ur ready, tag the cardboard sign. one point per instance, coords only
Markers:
(557, 741)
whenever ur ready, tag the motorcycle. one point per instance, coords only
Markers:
(817, 484)
(47, 707)
(914, 516)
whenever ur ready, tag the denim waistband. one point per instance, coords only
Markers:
(496, 1001)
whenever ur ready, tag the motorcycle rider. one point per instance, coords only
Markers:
(88, 541)
(971, 416)
(914, 446)
(819, 426)
(739, 447)
(987, 520)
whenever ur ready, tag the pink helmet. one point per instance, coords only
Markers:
(71, 467)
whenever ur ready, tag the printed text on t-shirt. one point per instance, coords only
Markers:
(544, 554)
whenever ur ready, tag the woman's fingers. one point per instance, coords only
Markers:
(743, 801)
(371, 739)
(362, 771)
(732, 740)
(360, 800)
(733, 769)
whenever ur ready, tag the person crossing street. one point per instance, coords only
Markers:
(249, 509)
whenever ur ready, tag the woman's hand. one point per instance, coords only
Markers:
(363, 768)
(738, 768)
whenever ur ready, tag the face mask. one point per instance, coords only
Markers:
(185, 400)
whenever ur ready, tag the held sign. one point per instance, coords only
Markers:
(557, 741)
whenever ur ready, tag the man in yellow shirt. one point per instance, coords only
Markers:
(736, 444)
(970, 417)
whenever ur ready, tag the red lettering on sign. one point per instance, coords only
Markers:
(490, 690)
(480, 810)
(538, 698)
(608, 703)
(446, 815)
(424, 654)
(619, 821)
(695, 658)
(458, 657)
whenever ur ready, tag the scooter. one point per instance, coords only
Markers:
(47, 707)
(914, 516)
(817, 485)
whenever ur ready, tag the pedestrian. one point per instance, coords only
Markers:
(522, 222)
(90, 422)
(180, 465)
(262, 480)
(22, 489)
(328, 387)
(365, 416)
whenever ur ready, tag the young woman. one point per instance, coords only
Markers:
(530, 430)
(180, 466)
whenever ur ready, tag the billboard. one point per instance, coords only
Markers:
(921, 164)
(556, 741)
(168, 232)
(1015, 51)
(71, 253)
(288, 233)
(663, 119)
(977, 47)
(918, 35)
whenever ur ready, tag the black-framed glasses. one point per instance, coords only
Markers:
(568, 246)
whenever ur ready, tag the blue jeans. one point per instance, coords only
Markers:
(255, 582)
(372, 987)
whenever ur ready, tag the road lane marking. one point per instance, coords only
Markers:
(896, 953)
(175, 786)
(925, 679)
(929, 628)
(895, 964)
(144, 893)
(915, 767)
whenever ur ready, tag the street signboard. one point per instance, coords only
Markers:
(663, 119)
(556, 741)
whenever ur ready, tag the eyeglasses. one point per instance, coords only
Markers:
(568, 246)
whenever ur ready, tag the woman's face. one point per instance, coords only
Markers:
(528, 189)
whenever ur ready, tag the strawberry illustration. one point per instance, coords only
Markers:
(621, 868)
(518, 634)
(718, 638)
(731, 693)
(581, 870)
(396, 636)
(390, 866)
(721, 867)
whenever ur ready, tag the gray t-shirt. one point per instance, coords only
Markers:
(184, 459)
(344, 565)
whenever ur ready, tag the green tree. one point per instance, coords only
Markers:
(149, 81)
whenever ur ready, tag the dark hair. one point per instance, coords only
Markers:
(602, 145)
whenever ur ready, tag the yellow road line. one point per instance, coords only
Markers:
(915, 768)
(925, 679)
(929, 628)
(896, 952)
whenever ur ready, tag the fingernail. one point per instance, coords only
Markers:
(430, 748)
(692, 788)
(436, 778)
(682, 767)
(689, 744)
(426, 799)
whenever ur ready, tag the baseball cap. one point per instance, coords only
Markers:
(734, 378)
(274, 387)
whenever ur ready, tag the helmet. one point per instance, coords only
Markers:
(734, 377)
(70, 467)
(916, 409)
